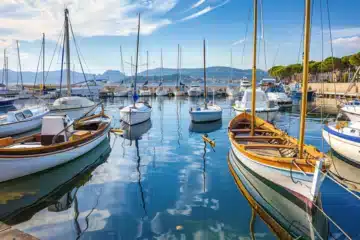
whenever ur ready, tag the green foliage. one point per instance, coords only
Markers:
(355, 59)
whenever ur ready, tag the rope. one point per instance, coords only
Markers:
(62, 65)
(246, 33)
(37, 69)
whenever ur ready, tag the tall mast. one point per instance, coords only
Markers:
(205, 90)
(147, 66)
(305, 78)
(43, 61)
(18, 51)
(122, 61)
(7, 72)
(161, 66)
(137, 56)
(4, 67)
(253, 94)
(67, 44)
(178, 66)
(231, 65)
(131, 70)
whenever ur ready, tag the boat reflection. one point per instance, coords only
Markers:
(287, 216)
(54, 189)
(205, 127)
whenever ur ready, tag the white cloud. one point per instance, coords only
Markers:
(204, 11)
(348, 42)
(238, 42)
(344, 32)
(195, 5)
(26, 20)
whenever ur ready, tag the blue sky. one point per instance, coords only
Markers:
(102, 26)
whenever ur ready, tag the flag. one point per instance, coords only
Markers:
(135, 97)
(146, 82)
(122, 82)
(160, 84)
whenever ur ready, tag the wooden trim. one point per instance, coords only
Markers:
(258, 137)
(255, 146)
(247, 130)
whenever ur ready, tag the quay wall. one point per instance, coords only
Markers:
(339, 88)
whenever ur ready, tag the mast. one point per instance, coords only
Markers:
(122, 61)
(231, 66)
(137, 57)
(205, 90)
(178, 66)
(7, 72)
(161, 67)
(305, 78)
(131, 70)
(18, 51)
(67, 42)
(147, 66)
(43, 62)
(4, 67)
(253, 94)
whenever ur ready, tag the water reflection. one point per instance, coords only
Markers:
(287, 216)
(205, 127)
(54, 189)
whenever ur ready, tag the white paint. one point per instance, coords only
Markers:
(200, 114)
(135, 115)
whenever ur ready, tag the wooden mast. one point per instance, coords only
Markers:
(137, 57)
(21, 77)
(305, 77)
(253, 82)
(205, 90)
(67, 42)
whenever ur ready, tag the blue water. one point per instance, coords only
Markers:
(165, 185)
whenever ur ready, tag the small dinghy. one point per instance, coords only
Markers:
(208, 112)
(61, 140)
(344, 138)
(264, 108)
(137, 112)
(23, 120)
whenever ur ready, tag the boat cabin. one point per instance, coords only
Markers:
(19, 115)
(55, 125)
(261, 99)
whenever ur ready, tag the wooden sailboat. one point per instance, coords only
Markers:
(75, 107)
(207, 112)
(270, 152)
(137, 112)
(161, 90)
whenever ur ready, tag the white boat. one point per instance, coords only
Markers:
(344, 138)
(245, 83)
(23, 120)
(162, 91)
(145, 91)
(75, 107)
(88, 88)
(180, 87)
(352, 110)
(179, 92)
(139, 113)
(122, 92)
(232, 91)
(264, 108)
(60, 141)
(207, 112)
(194, 90)
(276, 93)
(7, 101)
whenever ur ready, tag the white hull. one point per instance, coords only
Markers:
(345, 147)
(192, 93)
(121, 94)
(12, 168)
(213, 113)
(10, 129)
(267, 114)
(296, 183)
(75, 113)
(180, 93)
(352, 112)
(133, 116)
(162, 92)
(144, 93)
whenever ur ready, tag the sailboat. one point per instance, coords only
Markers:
(180, 87)
(161, 90)
(145, 91)
(208, 112)
(231, 91)
(137, 112)
(6, 99)
(75, 107)
(262, 148)
(23, 93)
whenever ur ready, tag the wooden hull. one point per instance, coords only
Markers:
(273, 154)
(276, 206)
(10, 129)
(15, 166)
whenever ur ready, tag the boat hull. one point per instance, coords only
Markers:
(121, 94)
(145, 93)
(160, 93)
(75, 113)
(210, 116)
(12, 168)
(268, 115)
(298, 95)
(192, 93)
(352, 112)
(133, 117)
(346, 146)
(179, 93)
(10, 129)
(7, 102)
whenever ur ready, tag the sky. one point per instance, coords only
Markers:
(102, 26)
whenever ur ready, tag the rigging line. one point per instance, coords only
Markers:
(52, 58)
(77, 51)
(321, 70)
(331, 48)
(301, 38)
(62, 64)
(37, 69)
(246, 33)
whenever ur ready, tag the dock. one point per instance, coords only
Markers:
(9, 233)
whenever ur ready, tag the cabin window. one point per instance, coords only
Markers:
(20, 116)
(27, 113)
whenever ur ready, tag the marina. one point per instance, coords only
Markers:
(244, 150)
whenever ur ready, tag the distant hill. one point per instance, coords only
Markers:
(169, 74)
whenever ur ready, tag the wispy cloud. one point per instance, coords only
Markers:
(97, 18)
(238, 42)
(203, 11)
(195, 5)
(348, 42)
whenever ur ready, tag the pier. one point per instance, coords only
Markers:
(9, 233)
(336, 90)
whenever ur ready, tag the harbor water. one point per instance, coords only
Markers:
(158, 180)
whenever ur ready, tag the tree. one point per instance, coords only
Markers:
(355, 59)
